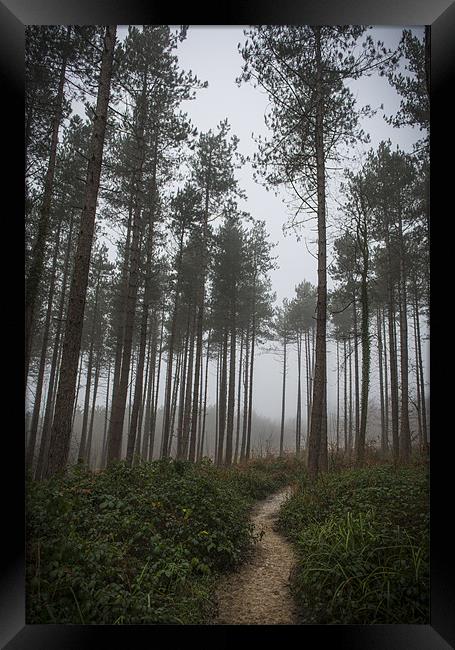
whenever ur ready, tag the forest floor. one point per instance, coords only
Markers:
(258, 592)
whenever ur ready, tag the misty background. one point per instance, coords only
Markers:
(212, 54)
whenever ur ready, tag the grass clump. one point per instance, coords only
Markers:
(139, 545)
(362, 541)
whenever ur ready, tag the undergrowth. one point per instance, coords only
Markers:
(142, 544)
(362, 538)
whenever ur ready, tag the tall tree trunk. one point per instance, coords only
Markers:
(61, 429)
(405, 432)
(119, 403)
(338, 399)
(138, 446)
(150, 392)
(79, 377)
(180, 444)
(381, 382)
(121, 302)
(205, 395)
(106, 418)
(92, 415)
(231, 394)
(157, 391)
(422, 379)
(217, 403)
(250, 396)
(298, 420)
(365, 360)
(222, 408)
(308, 385)
(345, 398)
(134, 430)
(200, 415)
(132, 376)
(168, 386)
(174, 399)
(393, 350)
(350, 431)
(167, 396)
(49, 410)
(138, 386)
(317, 413)
(386, 387)
(239, 397)
(82, 450)
(283, 399)
(356, 372)
(197, 375)
(42, 366)
(393, 380)
(245, 394)
(37, 263)
(323, 452)
(187, 423)
(419, 400)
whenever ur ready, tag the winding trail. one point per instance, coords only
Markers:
(258, 592)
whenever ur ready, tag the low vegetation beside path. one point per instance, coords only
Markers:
(142, 544)
(362, 539)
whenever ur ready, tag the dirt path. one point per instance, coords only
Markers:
(258, 593)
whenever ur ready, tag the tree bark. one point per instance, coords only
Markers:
(157, 390)
(381, 382)
(283, 399)
(245, 394)
(338, 399)
(222, 407)
(231, 395)
(187, 422)
(422, 379)
(418, 406)
(92, 415)
(48, 413)
(201, 453)
(298, 420)
(82, 450)
(345, 398)
(317, 414)
(106, 419)
(181, 414)
(405, 432)
(365, 358)
(37, 263)
(42, 366)
(250, 396)
(61, 430)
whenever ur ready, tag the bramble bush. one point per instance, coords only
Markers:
(362, 538)
(142, 544)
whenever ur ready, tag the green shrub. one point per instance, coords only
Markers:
(362, 542)
(142, 544)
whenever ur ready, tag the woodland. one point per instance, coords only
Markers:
(150, 299)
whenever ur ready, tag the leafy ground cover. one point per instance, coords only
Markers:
(142, 544)
(362, 539)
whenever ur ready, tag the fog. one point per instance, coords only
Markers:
(212, 54)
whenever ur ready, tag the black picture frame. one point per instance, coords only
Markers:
(440, 14)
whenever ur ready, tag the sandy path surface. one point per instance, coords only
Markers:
(258, 592)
